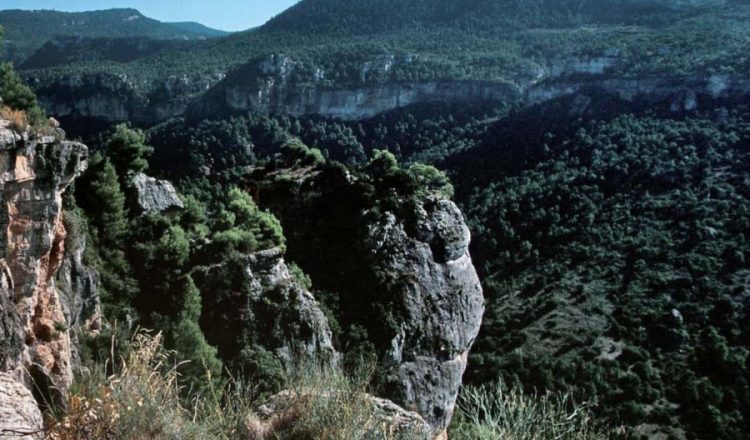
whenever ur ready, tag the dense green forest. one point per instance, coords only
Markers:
(507, 42)
(27, 31)
(612, 252)
(611, 237)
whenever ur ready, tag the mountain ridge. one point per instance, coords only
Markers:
(28, 30)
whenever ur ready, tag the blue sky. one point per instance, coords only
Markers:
(230, 15)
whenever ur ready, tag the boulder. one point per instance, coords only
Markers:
(151, 194)
(20, 417)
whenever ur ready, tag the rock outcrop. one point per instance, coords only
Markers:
(20, 418)
(426, 265)
(279, 84)
(154, 195)
(403, 275)
(263, 305)
(79, 289)
(35, 171)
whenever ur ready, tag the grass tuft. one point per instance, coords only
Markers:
(18, 120)
(490, 412)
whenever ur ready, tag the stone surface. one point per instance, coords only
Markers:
(429, 271)
(79, 291)
(264, 299)
(280, 84)
(19, 413)
(406, 277)
(34, 173)
(155, 195)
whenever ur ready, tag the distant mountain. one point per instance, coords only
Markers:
(27, 31)
(378, 16)
(198, 29)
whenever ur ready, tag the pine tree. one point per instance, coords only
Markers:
(189, 340)
(128, 150)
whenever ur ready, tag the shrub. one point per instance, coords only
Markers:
(490, 412)
(18, 120)
(143, 400)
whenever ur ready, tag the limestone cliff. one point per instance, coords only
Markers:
(35, 318)
(255, 302)
(280, 84)
(404, 275)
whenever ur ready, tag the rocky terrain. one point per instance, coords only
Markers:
(420, 264)
(37, 317)
(405, 275)
(267, 85)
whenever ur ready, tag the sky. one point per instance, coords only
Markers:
(229, 15)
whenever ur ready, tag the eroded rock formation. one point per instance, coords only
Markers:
(255, 298)
(20, 418)
(152, 194)
(404, 275)
(36, 170)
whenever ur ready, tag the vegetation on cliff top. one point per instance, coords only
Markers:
(27, 31)
(498, 41)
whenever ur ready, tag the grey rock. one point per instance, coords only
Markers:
(154, 195)
(35, 173)
(11, 331)
(20, 417)
(79, 293)
(264, 299)
(429, 269)
(406, 277)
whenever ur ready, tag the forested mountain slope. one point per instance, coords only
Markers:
(599, 151)
(319, 57)
(27, 31)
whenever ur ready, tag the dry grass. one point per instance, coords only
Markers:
(140, 402)
(143, 401)
(326, 405)
(491, 413)
(18, 120)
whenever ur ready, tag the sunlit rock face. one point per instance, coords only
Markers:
(406, 276)
(35, 171)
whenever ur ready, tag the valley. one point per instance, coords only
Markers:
(542, 196)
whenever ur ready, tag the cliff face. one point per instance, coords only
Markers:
(426, 266)
(403, 275)
(267, 308)
(36, 170)
(280, 84)
(115, 98)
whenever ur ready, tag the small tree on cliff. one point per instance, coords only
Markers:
(101, 197)
(189, 340)
(128, 150)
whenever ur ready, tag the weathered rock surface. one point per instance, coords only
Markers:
(79, 289)
(19, 413)
(154, 195)
(35, 171)
(280, 84)
(262, 299)
(406, 277)
(428, 268)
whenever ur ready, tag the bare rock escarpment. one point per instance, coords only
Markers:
(404, 275)
(35, 171)
(256, 302)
